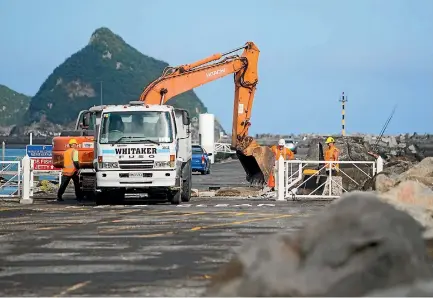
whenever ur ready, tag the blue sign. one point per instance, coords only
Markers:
(39, 150)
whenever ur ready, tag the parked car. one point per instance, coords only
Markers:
(292, 145)
(200, 160)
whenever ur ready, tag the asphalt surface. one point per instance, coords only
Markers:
(226, 174)
(71, 249)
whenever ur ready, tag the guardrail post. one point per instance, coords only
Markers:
(280, 179)
(26, 199)
(379, 165)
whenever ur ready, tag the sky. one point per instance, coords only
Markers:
(379, 52)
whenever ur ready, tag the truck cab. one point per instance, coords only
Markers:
(142, 150)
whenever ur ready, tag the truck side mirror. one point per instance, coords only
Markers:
(185, 118)
(85, 123)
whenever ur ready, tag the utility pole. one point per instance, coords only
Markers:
(101, 93)
(343, 100)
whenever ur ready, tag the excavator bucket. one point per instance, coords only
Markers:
(257, 161)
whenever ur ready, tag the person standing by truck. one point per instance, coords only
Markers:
(70, 171)
(280, 150)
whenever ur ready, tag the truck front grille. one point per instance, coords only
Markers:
(88, 182)
(135, 164)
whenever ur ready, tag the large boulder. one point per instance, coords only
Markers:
(422, 172)
(414, 198)
(357, 245)
(422, 288)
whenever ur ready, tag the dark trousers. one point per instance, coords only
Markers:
(334, 172)
(64, 183)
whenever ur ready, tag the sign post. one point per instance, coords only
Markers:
(41, 157)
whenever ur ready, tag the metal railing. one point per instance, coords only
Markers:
(10, 179)
(223, 148)
(299, 179)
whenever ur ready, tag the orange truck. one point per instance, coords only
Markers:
(257, 161)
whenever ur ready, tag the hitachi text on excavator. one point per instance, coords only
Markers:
(257, 161)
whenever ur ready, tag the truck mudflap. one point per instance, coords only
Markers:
(179, 176)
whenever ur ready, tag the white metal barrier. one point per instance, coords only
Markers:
(292, 177)
(223, 148)
(10, 179)
(29, 173)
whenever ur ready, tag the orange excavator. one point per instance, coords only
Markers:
(257, 161)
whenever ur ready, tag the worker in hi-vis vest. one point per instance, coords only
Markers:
(70, 171)
(280, 150)
(332, 154)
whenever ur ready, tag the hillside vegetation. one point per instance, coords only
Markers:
(12, 105)
(109, 61)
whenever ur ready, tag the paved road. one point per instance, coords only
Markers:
(225, 174)
(228, 174)
(65, 249)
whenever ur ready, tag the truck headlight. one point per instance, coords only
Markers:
(162, 164)
(109, 164)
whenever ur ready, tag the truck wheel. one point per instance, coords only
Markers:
(186, 187)
(100, 198)
(175, 198)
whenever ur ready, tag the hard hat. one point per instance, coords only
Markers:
(72, 141)
(281, 142)
(330, 140)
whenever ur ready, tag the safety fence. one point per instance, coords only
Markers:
(303, 179)
(223, 148)
(13, 178)
(10, 178)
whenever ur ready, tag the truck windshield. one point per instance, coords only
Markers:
(136, 127)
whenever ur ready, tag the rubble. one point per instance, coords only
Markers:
(393, 175)
(45, 187)
(356, 246)
(238, 192)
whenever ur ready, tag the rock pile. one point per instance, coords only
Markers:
(357, 246)
(410, 191)
(414, 147)
(399, 153)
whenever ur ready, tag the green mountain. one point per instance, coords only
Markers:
(108, 62)
(12, 105)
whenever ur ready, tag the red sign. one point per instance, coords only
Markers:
(44, 164)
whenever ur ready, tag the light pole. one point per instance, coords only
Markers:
(343, 100)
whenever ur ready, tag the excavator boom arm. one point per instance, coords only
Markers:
(166, 87)
(257, 161)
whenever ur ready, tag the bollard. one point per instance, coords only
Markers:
(379, 165)
(26, 199)
(280, 179)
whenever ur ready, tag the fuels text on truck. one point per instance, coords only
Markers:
(139, 150)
